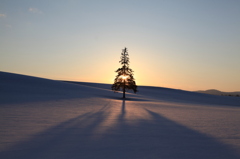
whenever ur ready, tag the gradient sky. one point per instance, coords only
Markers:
(182, 44)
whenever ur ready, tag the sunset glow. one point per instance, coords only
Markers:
(171, 43)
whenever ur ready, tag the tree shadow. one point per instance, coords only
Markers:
(157, 137)
(123, 111)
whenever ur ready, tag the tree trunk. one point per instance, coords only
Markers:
(124, 90)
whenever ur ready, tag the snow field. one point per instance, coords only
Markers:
(41, 118)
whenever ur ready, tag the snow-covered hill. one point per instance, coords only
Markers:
(42, 118)
(173, 95)
(220, 93)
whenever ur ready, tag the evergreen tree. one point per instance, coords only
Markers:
(124, 79)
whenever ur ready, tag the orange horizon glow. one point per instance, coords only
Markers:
(197, 52)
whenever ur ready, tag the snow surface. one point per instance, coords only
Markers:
(47, 119)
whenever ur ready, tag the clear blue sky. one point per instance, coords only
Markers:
(183, 44)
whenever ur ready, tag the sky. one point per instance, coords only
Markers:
(183, 44)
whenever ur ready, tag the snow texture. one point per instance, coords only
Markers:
(47, 119)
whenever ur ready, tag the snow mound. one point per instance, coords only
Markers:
(21, 88)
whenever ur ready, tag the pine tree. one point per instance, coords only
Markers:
(124, 79)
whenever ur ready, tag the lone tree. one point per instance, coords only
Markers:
(124, 79)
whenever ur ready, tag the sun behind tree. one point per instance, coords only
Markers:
(124, 79)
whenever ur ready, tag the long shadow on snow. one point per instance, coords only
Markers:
(155, 138)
